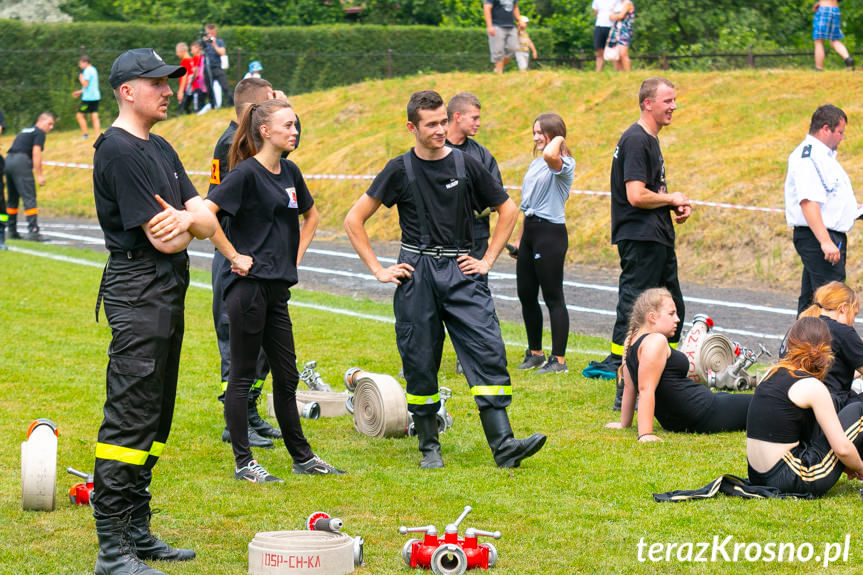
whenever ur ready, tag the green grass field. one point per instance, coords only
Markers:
(579, 506)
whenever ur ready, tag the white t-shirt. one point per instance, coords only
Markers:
(815, 175)
(604, 8)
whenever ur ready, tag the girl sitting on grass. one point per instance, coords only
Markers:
(795, 440)
(658, 373)
(837, 305)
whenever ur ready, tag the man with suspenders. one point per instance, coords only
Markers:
(437, 189)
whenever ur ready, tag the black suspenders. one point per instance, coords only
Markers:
(422, 214)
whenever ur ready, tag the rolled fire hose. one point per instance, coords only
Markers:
(39, 466)
(717, 353)
(301, 553)
(331, 404)
(380, 405)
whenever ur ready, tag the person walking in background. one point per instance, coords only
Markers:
(623, 17)
(602, 9)
(826, 25)
(643, 214)
(264, 195)
(436, 188)
(23, 160)
(502, 22)
(820, 202)
(90, 96)
(525, 46)
(543, 241)
(149, 211)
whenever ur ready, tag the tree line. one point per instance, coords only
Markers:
(674, 26)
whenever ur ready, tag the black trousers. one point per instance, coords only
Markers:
(144, 304)
(21, 186)
(644, 265)
(816, 270)
(4, 218)
(223, 331)
(218, 75)
(439, 294)
(728, 413)
(542, 253)
(812, 467)
(258, 313)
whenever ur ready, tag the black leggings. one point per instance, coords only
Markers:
(728, 413)
(812, 467)
(258, 314)
(541, 255)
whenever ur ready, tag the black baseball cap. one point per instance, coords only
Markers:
(141, 63)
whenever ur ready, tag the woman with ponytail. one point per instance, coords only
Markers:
(263, 197)
(658, 374)
(837, 305)
(795, 440)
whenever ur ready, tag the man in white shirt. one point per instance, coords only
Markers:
(602, 9)
(820, 203)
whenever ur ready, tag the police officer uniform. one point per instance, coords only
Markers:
(814, 174)
(436, 200)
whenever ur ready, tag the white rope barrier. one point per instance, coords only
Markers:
(372, 176)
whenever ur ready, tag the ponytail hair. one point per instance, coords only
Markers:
(830, 297)
(248, 140)
(808, 344)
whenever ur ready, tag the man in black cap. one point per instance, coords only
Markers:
(149, 211)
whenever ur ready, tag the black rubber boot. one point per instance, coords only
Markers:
(116, 550)
(507, 451)
(255, 440)
(618, 394)
(427, 434)
(12, 227)
(263, 428)
(148, 546)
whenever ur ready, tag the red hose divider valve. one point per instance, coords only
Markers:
(80, 494)
(451, 554)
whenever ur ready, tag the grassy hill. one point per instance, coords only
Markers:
(729, 142)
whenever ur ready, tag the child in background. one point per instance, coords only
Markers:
(525, 47)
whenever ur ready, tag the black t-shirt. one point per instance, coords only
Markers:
(264, 209)
(847, 348)
(437, 184)
(773, 416)
(680, 402)
(219, 164)
(501, 12)
(638, 157)
(481, 229)
(127, 174)
(26, 139)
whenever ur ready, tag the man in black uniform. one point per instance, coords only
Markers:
(437, 189)
(149, 211)
(4, 218)
(23, 159)
(247, 92)
(463, 115)
(641, 213)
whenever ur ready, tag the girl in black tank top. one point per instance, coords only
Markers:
(658, 374)
(796, 442)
